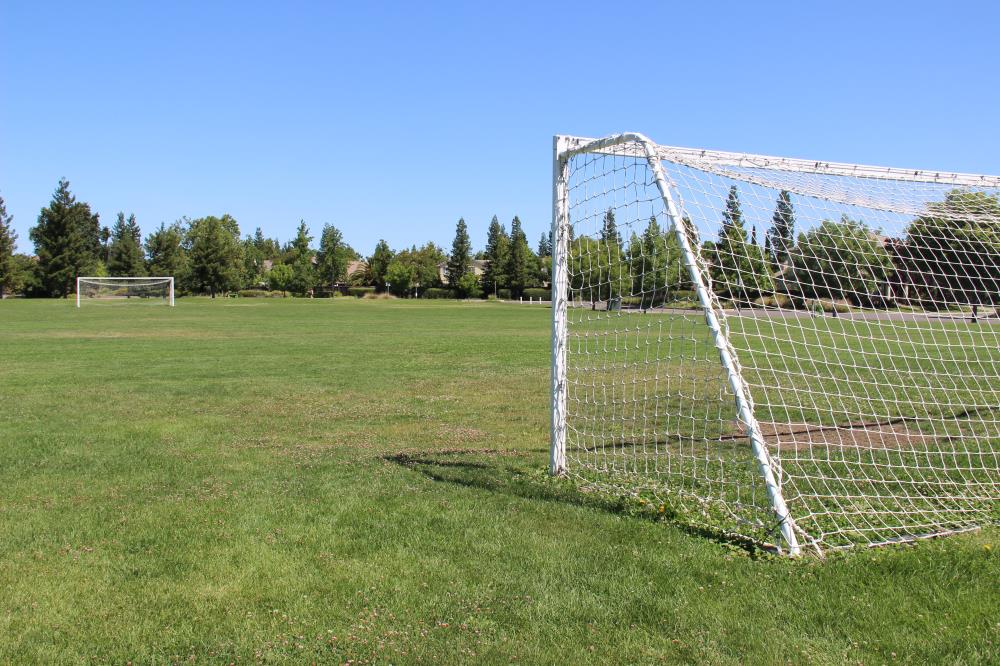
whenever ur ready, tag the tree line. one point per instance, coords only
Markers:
(950, 255)
(207, 255)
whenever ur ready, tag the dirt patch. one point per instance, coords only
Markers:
(900, 434)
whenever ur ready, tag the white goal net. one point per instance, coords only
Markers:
(154, 290)
(804, 354)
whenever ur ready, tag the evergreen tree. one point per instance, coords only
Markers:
(9, 272)
(269, 248)
(598, 271)
(334, 255)
(461, 250)
(378, 264)
(655, 262)
(300, 258)
(165, 253)
(739, 269)
(105, 244)
(253, 263)
(545, 245)
(497, 251)
(781, 236)
(125, 254)
(67, 240)
(609, 229)
(521, 263)
(214, 252)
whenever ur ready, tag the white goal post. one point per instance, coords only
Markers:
(799, 353)
(125, 288)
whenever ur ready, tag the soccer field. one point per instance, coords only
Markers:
(333, 480)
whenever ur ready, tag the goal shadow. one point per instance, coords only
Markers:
(520, 473)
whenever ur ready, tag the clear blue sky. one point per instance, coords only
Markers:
(394, 119)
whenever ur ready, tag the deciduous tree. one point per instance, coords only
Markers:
(952, 252)
(842, 259)
(378, 264)
(334, 256)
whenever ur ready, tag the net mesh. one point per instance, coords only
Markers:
(861, 314)
(126, 290)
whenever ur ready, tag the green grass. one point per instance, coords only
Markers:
(296, 481)
(888, 427)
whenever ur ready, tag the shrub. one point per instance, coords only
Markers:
(536, 294)
(468, 286)
(828, 306)
(277, 294)
(774, 301)
(634, 302)
(503, 294)
(254, 293)
(372, 296)
(437, 292)
(360, 292)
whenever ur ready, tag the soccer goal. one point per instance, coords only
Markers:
(804, 354)
(125, 289)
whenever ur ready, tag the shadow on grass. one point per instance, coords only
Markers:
(518, 473)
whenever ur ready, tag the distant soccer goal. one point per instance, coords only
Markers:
(125, 289)
(805, 354)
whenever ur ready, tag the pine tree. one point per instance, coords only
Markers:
(214, 252)
(125, 254)
(781, 236)
(520, 260)
(9, 272)
(653, 260)
(378, 264)
(461, 250)
(300, 258)
(105, 244)
(165, 253)
(739, 268)
(67, 240)
(545, 245)
(497, 251)
(253, 264)
(609, 229)
(269, 248)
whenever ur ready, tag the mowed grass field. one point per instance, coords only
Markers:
(328, 481)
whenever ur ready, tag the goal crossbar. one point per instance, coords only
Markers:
(633, 144)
